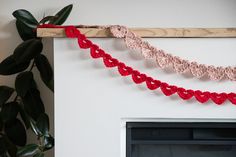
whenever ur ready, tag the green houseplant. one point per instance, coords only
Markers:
(21, 107)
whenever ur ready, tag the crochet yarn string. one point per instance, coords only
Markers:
(96, 52)
(165, 59)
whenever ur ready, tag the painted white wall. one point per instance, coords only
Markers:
(92, 102)
(83, 85)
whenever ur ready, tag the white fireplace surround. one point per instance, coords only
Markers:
(92, 103)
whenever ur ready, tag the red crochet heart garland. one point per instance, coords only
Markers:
(95, 52)
(137, 77)
(202, 97)
(185, 94)
(109, 61)
(152, 84)
(124, 70)
(167, 89)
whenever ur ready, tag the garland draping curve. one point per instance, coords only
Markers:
(137, 77)
(164, 59)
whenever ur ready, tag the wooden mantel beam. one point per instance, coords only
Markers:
(148, 32)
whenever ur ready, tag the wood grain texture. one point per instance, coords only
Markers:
(147, 32)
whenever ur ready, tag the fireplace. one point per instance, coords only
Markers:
(180, 139)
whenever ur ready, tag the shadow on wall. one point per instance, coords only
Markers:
(9, 38)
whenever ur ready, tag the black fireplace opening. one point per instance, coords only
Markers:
(180, 139)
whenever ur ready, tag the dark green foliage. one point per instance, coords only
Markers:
(42, 124)
(24, 31)
(26, 24)
(25, 17)
(62, 15)
(45, 70)
(24, 82)
(26, 103)
(9, 112)
(16, 133)
(48, 142)
(28, 150)
(9, 66)
(33, 104)
(11, 148)
(5, 93)
(28, 50)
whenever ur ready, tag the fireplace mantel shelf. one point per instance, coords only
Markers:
(147, 32)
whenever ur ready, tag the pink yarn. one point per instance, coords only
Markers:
(164, 59)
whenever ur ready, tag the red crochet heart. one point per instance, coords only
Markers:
(96, 52)
(109, 61)
(124, 70)
(218, 98)
(71, 32)
(185, 94)
(81, 36)
(84, 44)
(152, 84)
(232, 98)
(202, 97)
(138, 77)
(167, 89)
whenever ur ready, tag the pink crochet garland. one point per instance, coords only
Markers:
(164, 59)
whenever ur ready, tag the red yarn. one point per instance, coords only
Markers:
(202, 97)
(95, 52)
(124, 70)
(138, 78)
(232, 98)
(218, 98)
(168, 89)
(185, 94)
(152, 84)
(109, 61)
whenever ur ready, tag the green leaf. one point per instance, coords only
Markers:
(5, 94)
(28, 150)
(24, 117)
(39, 155)
(28, 50)
(9, 66)
(46, 19)
(24, 31)
(24, 82)
(45, 70)
(33, 104)
(25, 17)
(42, 124)
(62, 15)
(34, 127)
(1, 122)
(11, 148)
(3, 148)
(48, 142)
(16, 133)
(9, 112)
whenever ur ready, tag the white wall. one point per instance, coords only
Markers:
(92, 102)
(73, 66)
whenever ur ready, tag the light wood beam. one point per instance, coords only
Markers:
(147, 32)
